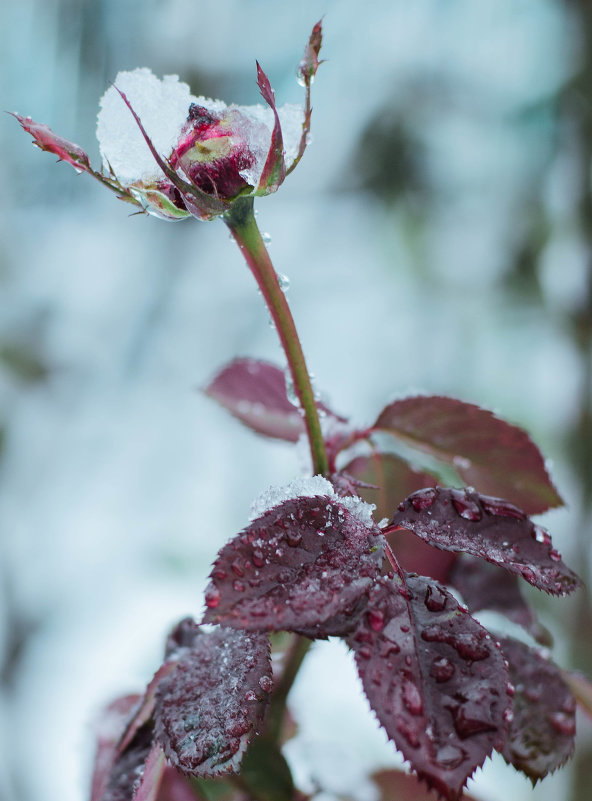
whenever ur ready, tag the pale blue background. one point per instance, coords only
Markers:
(118, 480)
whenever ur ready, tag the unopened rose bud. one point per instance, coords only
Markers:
(212, 152)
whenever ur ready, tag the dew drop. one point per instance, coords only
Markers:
(540, 535)
(423, 499)
(470, 719)
(293, 538)
(376, 619)
(450, 756)
(284, 282)
(258, 559)
(411, 697)
(237, 568)
(442, 669)
(404, 628)
(563, 724)
(469, 648)
(435, 599)
(218, 573)
(212, 597)
(554, 555)
(266, 237)
(250, 696)
(467, 508)
(365, 652)
(266, 684)
(238, 586)
(495, 506)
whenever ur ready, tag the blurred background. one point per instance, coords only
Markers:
(438, 238)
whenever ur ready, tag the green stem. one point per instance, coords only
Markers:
(240, 219)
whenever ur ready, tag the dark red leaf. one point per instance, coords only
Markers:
(397, 786)
(255, 393)
(145, 708)
(416, 556)
(486, 586)
(46, 139)
(174, 787)
(486, 452)
(182, 636)
(208, 709)
(109, 730)
(394, 478)
(149, 785)
(303, 566)
(463, 520)
(274, 170)
(544, 723)
(435, 679)
(128, 774)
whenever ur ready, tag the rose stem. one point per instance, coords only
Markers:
(240, 219)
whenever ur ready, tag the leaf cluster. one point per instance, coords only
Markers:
(445, 690)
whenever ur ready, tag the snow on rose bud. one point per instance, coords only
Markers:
(176, 155)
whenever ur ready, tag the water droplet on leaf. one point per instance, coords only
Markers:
(442, 669)
(266, 684)
(450, 756)
(412, 697)
(423, 499)
(212, 597)
(563, 724)
(376, 619)
(435, 599)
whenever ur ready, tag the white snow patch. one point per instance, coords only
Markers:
(359, 509)
(162, 106)
(308, 487)
(311, 487)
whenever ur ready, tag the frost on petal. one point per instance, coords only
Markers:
(258, 125)
(162, 105)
